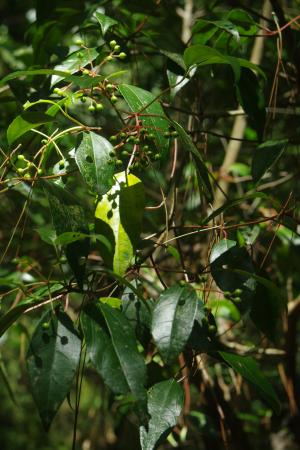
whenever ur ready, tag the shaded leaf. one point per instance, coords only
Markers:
(31, 73)
(25, 122)
(265, 156)
(165, 402)
(152, 116)
(119, 216)
(74, 62)
(249, 369)
(173, 319)
(105, 22)
(52, 360)
(68, 216)
(112, 348)
(94, 162)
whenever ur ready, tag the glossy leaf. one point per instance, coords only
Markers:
(68, 216)
(202, 171)
(249, 369)
(173, 319)
(165, 403)
(52, 360)
(94, 162)
(265, 156)
(119, 216)
(105, 22)
(74, 62)
(25, 122)
(152, 116)
(111, 346)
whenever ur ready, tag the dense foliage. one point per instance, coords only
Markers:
(149, 193)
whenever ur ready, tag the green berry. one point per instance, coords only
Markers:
(174, 133)
(56, 90)
(157, 157)
(83, 99)
(27, 175)
(117, 48)
(237, 299)
(119, 163)
(86, 72)
(123, 135)
(125, 153)
(113, 138)
(40, 171)
(44, 141)
(238, 292)
(212, 329)
(151, 136)
(78, 42)
(109, 86)
(45, 326)
(136, 141)
(122, 55)
(113, 99)
(21, 157)
(166, 134)
(109, 58)
(99, 106)
(20, 171)
(61, 163)
(92, 108)
(112, 44)
(227, 294)
(112, 154)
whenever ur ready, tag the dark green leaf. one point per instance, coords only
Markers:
(173, 319)
(265, 156)
(68, 216)
(249, 369)
(31, 73)
(52, 360)
(152, 116)
(112, 348)
(165, 402)
(250, 96)
(21, 124)
(105, 22)
(94, 162)
(74, 62)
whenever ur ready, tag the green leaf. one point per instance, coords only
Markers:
(32, 73)
(114, 302)
(202, 171)
(36, 298)
(153, 117)
(249, 369)
(202, 55)
(265, 156)
(225, 258)
(94, 162)
(137, 314)
(111, 346)
(74, 62)
(165, 402)
(105, 22)
(250, 96)
(52, 360)
(173, 319)
(68, 216)
(119, 216)
(25, 122)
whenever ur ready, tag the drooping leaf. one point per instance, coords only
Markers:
(249, 369)
(52, 360)
(74, 62)
(173, 319)
(226, 256)
(105, 22)
(119, 216)
(94, 162)
(137, 313)
(250, 96)
(265, 155)
(111, 346)
(25, 122)
(165, 402)
(68, 216)
(202, 171)
(152, 116)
